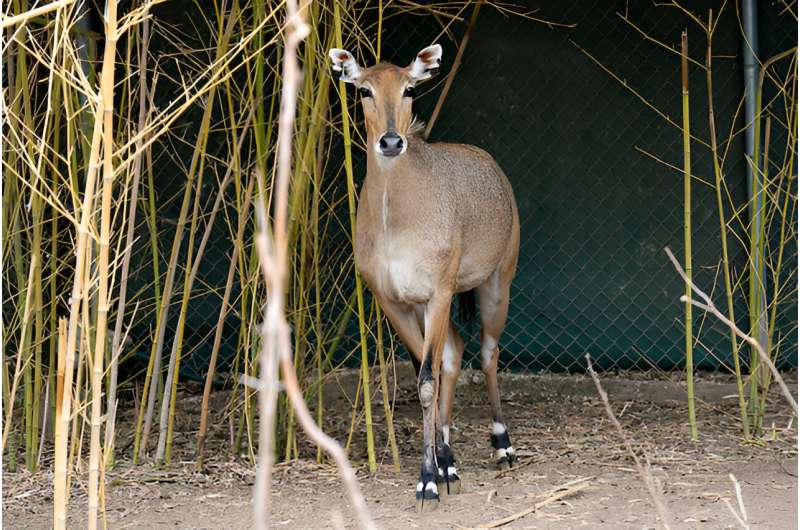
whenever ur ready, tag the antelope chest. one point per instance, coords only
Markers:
(393, 270)
(402, 278)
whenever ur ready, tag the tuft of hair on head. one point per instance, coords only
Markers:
(417, 126)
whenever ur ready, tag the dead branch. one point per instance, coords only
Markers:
(644, 470)
(276, 345)
(708, 305)
(556, 494)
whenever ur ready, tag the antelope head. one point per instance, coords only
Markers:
(386, 94)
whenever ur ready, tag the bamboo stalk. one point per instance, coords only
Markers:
(776, 284)
(687, 233)
(764, 372)
(723, 230)
(133, 201)
(22, 347)
(107, 95)
(453, 69)
(143, 432)
(7, 22)
(63, 408)
(756, 284)
(170, 395)
(387, 406)
(362, 326)
(238, 242)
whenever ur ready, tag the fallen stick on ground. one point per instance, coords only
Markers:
(741, 516)
(556, 494)
(644, 470)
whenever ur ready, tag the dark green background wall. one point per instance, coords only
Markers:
(596, 212)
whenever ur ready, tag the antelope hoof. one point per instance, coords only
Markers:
(427, 495)
(448, 481)
(505, 458)
(447, 478)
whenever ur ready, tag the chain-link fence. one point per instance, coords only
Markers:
(569, 115)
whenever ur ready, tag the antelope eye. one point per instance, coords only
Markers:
(365, 92)
(408, 92)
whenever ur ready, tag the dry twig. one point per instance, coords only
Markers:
(272, 253)
(644, 470)
(708, 305)
(556, 494)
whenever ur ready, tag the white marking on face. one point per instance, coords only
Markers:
(419, 486)
(446, 434)
(500, 453)
(498, 428)
(451, 470)
(510, 450)
(487, 349)
(385, 208)
(449, 357)
(431, 486)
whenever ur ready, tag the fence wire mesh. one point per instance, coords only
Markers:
(589, 162)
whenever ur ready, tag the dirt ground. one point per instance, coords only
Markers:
(556, 423)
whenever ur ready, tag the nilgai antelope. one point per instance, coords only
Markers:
(434, 220)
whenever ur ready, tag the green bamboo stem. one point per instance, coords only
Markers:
(164, 447)
(387, 406)
(11, 453)
(757, 239)
(687, 233)
(723, 230)
(153, 231)
(351, 203)
(787, 169)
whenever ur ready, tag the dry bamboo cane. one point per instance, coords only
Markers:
(107, 95)
(111, 405)
(144, 421)
(212, 364)
(453, 69)
(82, 247)
(723, 229)
(687, 232)
(164, 450)
(22, 347)
(63, 408)
(273, 265)
(708, 305)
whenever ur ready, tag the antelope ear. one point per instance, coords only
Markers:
(344, 66)
(426, 64)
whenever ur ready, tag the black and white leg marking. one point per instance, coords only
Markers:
(427, 493)
(447, 476)
(504, 455)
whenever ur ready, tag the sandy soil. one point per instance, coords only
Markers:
(556, 423)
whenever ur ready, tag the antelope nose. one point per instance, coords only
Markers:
(391, 144)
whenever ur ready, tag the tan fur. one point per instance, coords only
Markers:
(436, 220)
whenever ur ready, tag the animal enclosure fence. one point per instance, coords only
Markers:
(560, 109)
